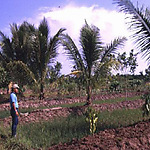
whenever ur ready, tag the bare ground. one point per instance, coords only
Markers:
(134, 137)
(51, 113)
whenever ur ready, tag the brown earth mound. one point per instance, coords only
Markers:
(49, 103)
(134, 137)
(48, 114)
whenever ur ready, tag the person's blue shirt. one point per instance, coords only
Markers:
(13, 99)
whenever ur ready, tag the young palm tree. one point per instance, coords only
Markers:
(91, 53)
(139, 24)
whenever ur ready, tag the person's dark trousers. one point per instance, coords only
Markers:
(14, 122)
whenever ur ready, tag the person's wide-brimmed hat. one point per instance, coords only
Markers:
(15, 86)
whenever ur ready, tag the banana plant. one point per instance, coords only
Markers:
(146, 105)
(92, 118)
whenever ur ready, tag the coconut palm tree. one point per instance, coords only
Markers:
(16, 47)
(15, 51)
(92, 56)
(32, 47)
(139, 24)
(45, 50)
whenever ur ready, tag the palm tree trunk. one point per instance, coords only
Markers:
(88, 95)
(89, 90)
(41, 91)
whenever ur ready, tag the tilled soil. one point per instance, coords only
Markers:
(48, 103)
(51, 113)
(134, 137)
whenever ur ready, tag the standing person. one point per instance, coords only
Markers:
(14, 108)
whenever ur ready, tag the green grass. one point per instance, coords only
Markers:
(70, 105)
(4, 114)
(45, 134)
(108, 101)
(111, 101)
(119, 118)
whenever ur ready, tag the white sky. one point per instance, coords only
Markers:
(72, 17)
(111, 24)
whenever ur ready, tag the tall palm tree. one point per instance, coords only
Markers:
(31, 48)
(16, 47)
(45, 50)
(92, 52)
(139, 24)
(14, 50)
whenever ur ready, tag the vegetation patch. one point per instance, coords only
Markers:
(110, 101)
(4, 114)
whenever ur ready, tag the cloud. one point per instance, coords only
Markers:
(111, 24)
(72, 17)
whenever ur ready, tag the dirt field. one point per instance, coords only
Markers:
(133, 137)
(50, 113)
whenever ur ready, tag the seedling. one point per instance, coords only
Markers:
(92, 118)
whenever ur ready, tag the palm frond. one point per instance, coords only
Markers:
(20, 36)
(27, 27)
(14, 31)
(48, 51)
(53, 45)
(21, 71)
(91, 44)
(112, 47)
(43, 28)
(139, 24)
(72, 51)
(6, 46)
